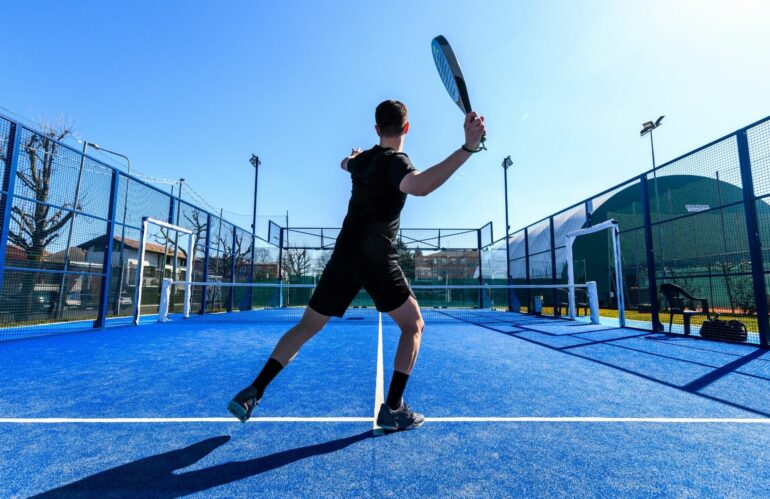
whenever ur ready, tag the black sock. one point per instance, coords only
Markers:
(396, 391)
(266, 375)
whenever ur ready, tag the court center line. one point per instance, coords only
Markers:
(461, 419)
(379, 389)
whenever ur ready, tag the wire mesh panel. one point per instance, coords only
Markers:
(623, 203)
(266, 266)
(47, 171)
(487, 236)
(439, 239)
(759, 152)
(494, 263)
(701, 181)
(244, 244)
(309, 237)
(220, 250)
(274, 234)
(125, 259)
(136, 200)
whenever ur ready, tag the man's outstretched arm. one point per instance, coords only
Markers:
(423, 183)
(353, 153)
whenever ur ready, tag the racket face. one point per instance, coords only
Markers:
(450, 73)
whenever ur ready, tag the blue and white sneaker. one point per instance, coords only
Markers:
(402, 418)
(244, 403)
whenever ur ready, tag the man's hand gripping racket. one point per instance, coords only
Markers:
(452, 76)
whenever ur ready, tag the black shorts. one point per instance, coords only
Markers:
(343, 278)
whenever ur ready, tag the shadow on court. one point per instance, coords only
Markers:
(624, 351)
(154, 475)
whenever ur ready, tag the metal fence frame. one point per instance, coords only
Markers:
(749, 202)
(8, 194)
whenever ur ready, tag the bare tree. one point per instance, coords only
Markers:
(262, 255)
(297, 262)
(323, 259)
(196, 225)
(33, 230)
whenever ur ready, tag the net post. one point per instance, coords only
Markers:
(165, 299)
(140, 273)
(593, 302)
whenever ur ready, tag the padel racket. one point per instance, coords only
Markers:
(451, 75)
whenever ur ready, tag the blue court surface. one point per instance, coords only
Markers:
(516, 406)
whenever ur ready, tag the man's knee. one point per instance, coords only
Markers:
(414, 327)
(311, 324)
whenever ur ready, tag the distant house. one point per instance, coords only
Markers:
(156, 256)
(15, 253)
(446, 265)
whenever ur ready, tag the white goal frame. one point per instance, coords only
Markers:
(146, 222)
(611, 225)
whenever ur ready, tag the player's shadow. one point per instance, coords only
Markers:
(155, 476)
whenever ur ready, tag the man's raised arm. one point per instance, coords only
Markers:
(423, 183)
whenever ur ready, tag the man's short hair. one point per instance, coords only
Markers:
(391, 117)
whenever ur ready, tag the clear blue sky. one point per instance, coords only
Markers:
(191, 89)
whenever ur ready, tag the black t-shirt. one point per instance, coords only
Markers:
(371, 225)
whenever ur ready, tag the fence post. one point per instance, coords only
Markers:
(280, 267)
(481, 270)
(554, 293)
(589, 207)
(233, 267)
(752, 229)
(652, 281)
(9, 182)
(526, 269)
(251, 268)
(101, 319)
(206, 254)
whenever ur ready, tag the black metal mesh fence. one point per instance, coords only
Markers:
(71, 231)
(700, 222)
(71, 235)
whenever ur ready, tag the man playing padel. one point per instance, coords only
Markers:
(365, 256)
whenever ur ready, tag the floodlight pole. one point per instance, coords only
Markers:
(63, 285)
(506, 164)
(649, 127)
(255, 162)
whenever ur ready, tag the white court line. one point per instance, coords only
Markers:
(520, 419)
(185, 420)
(379, 389)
